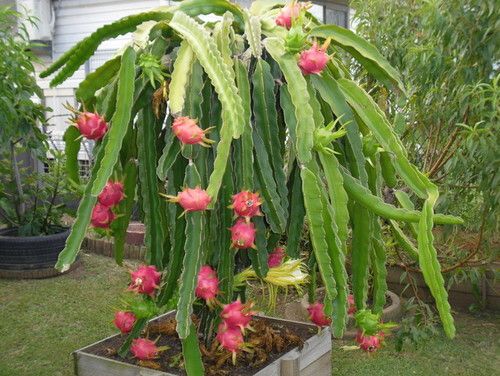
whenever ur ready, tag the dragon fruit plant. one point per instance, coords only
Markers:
(251, 126)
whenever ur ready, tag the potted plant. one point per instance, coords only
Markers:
(31, 235)
(230, 135)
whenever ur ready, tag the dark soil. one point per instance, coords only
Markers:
(269, 341)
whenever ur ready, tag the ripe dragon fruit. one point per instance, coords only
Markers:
(145, 280)
(288, 14)
(276, 257)
(188, 132)
(314, 60)
(112, 194)
(102, 216)
(351, 306)
(192, 199)
(208, 284)
(243, 234)
(237, 315)
(317, 315)
(369, 343)
(246, 204)
(231, 339)
(91, 125)
(124, 321)
(144, 349)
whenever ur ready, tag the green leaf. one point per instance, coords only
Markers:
(364, 52)
(149, 188)
(119, 122)
(221, 75)
(72, 142)
(253, 34)
(193, 363)
(195, 224)
(297, 213)
(180, 78)
(315, 216)
(259, 256)
(297, 87)
(98, 79)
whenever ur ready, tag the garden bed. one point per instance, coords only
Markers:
(271, 341)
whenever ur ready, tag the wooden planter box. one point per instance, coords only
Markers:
(312, 359)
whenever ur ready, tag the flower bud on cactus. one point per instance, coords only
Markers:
(124, 321)
(314, 60)
(91, 125)
(237, 315)
(317, 315)
(145, 280)
(189, 133)
(351, 306)
(288, 14)
(230, 339)
(112, 194)
(192, 199)
(276, 257)
(208, 284)
(144, 349)
(369, 343)
(243, 234)
(246, 204)
(102, 216)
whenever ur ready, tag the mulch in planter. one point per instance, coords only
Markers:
(269, 341)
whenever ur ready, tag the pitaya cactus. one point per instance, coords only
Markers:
(91, 125)
(231, 339)
(351, 306)
(124, 321)
(145, 280)
(314, 60)
(144, 349)
(102, 216)
(276, 257)
(288, 14)
(246, 204)
(188, 132)
(243, 234)
(237, 315)
(369, 343)
(208, 284)
(112, 194)
(317, 315)
(192, 199)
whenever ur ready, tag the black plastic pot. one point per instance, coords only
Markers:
(30, 256)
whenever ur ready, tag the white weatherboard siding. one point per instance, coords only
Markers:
(75, 20)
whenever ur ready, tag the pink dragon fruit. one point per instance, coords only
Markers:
(145, 280)
(112, 194)
(102, 216)
(237, 315)
(317, 315)
(276, 257)
(188, 132)
(144, 349)
(192, 199)
(246, 204)
(124, 321)
(243, 234)
(351, 306)
(230, 339)
(369, 343)
(208, 284)
(288, 14)
(91, 125)
(314, 60)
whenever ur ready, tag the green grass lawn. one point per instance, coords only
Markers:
(43, 321)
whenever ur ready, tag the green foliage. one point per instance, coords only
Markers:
(448, 53)
(274, 131)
